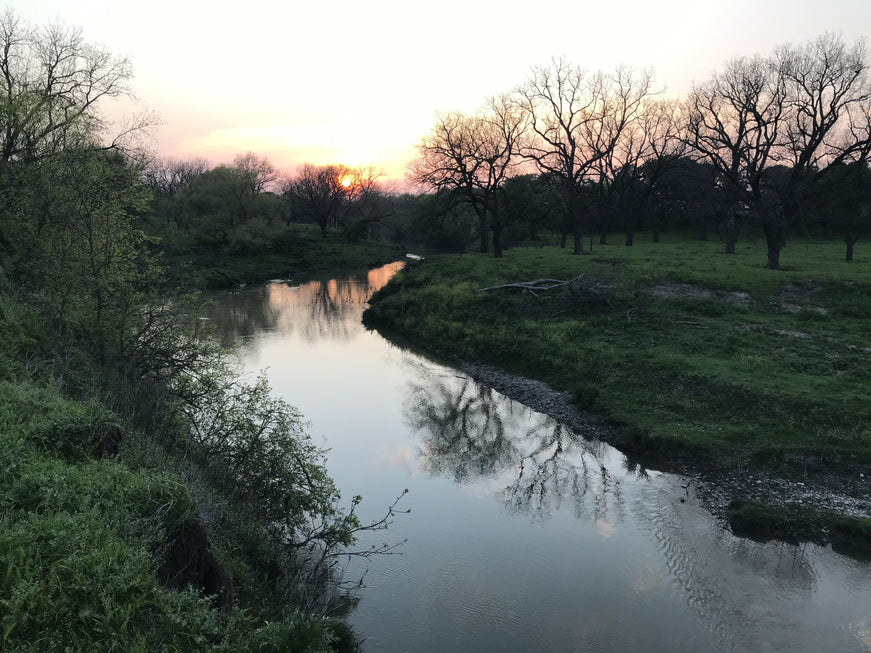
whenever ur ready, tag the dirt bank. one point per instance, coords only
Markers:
(799, 485)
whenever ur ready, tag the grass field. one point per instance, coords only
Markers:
(675, 341)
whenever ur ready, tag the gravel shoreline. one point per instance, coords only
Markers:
(799, 482)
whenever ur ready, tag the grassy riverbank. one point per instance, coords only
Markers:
(120, 527)
(299, 249)
(680, 344)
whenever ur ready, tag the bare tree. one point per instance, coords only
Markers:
(369, 201)
(772, 127)
(471, 156)
(263, 174)
(627, 174)
(577, 118)
(320, 192)
(445, 162)
(168, 175)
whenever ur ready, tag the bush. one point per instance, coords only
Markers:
(78, 433)
(73, 582)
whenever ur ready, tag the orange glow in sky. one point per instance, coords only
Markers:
(275, 78)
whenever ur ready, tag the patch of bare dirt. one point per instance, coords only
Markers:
(689, 291)
(796, 295)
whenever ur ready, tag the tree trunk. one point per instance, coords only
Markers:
(850, 241)
(631, 224)
(730, 234)
(579, 238)
(655, 227)
(577, 228)
(603, 232)
(497, 241)
(482, 235)
(776, 240)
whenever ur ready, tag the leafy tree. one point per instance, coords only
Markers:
(368, 202)
(530, 206)
(78, 240)
(431, 222)
(259, 168)
(626, 175)
(51, 83)
(223, 207)
(686, 196)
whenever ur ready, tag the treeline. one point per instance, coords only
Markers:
(246, 206)
(149, 499)
(779, 141)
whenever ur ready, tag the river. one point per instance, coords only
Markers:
(522, 535)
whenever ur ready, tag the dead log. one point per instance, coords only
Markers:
(529, 286)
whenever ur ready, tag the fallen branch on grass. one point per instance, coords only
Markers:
(529, 286)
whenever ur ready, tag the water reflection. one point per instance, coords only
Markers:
(539, 467)
(469, 431)
(604, 553)
(316, 309)
(239, 315)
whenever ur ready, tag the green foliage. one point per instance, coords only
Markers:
(675, 340)
(82, 538)
(257, 451)
(850, 532)
(74, 244)
(297, 632)
(432, 223)
(72, 581)
(292, 249)
(79, 543)
(21, 331)
(215, 203)
(751, 519)
(851, 535)
(75, 433)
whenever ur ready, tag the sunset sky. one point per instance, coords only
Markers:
(359, 83)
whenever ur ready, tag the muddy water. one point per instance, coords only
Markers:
(522, 535)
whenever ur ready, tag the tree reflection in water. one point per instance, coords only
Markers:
(243, 313)
(471, 432)
(319, 309)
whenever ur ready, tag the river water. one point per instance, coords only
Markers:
(522, 535)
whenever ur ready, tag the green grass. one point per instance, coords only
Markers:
(82, 538)
(767, 361)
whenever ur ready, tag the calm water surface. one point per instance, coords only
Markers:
(523, 536)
